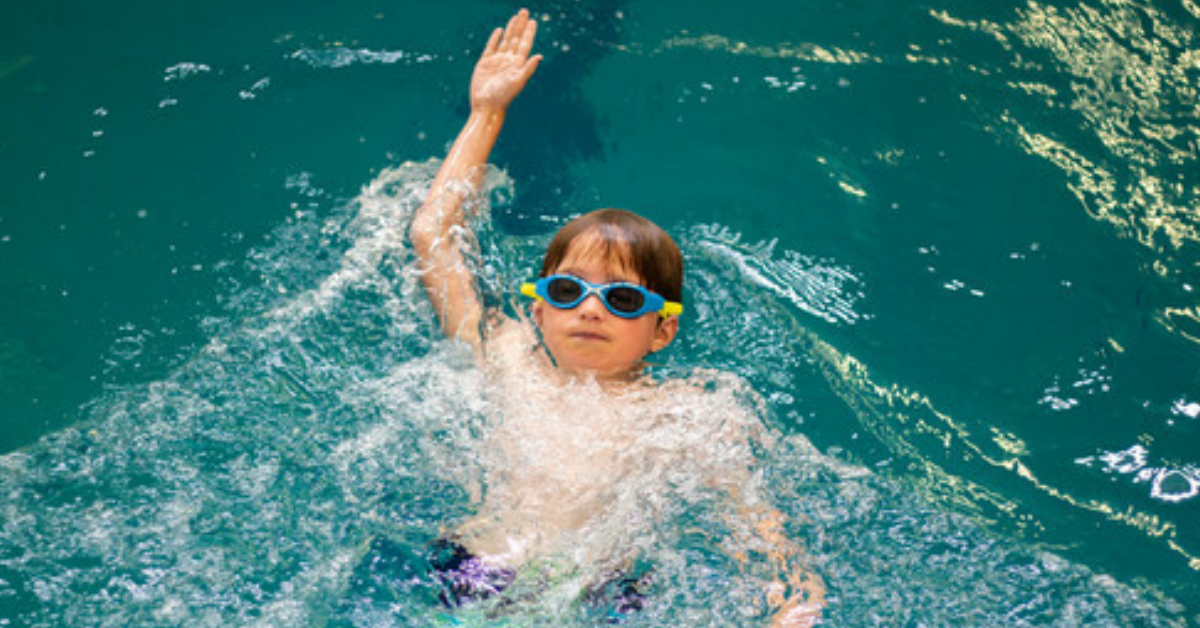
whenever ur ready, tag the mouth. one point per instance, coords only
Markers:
(588, 335)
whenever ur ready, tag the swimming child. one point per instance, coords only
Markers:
(570, 462)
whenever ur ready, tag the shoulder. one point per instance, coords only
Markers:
(508, 342)
(503, 331)
(723, 400)
(713, 385)
(742, 413)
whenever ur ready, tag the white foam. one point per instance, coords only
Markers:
(818, 288)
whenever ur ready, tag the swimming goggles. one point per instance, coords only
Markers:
(626, 300)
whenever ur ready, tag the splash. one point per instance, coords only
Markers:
(293, 471)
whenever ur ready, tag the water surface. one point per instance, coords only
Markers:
(954, 245)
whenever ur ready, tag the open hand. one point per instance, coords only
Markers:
(505, 65)
(795, 615)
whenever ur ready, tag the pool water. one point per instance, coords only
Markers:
(952, 248)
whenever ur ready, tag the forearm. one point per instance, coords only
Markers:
(464, 167)
(797, 595)
(460, 176)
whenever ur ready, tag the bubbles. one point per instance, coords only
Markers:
(1126, 461)
(1174, 485)
(1165, 483)
(182, 71)
(254, 90)
(340, 57)
(790, 85)
(1189, 409)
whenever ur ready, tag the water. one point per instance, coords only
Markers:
(951, 246)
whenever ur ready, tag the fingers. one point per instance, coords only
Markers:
(510, 30)
(526, 43)
(515, 38)
(519, 34)
(493, 42)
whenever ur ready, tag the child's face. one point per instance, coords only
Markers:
(590, 339)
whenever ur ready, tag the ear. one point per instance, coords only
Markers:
(664, 333)
(538, 308)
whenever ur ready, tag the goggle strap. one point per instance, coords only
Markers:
(671, 308)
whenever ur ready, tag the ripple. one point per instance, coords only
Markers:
(818, 287)
(1128, 71)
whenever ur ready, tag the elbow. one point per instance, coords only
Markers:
(423, 233)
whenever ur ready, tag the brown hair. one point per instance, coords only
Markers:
(622, 236)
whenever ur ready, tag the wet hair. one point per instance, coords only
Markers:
(626, 239)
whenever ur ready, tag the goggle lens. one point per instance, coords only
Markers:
(563, 291)
(622, 299)
(568, 291)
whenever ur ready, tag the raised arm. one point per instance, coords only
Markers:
(438, 228)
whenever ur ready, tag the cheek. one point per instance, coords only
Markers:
(641, 335)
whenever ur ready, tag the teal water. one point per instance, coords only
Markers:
(951, 244)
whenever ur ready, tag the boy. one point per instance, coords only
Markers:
(571, 453)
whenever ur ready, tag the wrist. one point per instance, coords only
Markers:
(485, 121)
(488, 112)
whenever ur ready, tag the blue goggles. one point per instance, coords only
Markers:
(626, 300)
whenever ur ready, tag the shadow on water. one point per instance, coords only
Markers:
(551, 129)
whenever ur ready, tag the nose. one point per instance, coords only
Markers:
(592, 307)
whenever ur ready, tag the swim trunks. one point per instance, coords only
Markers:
(622, 596)
(464, 578)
